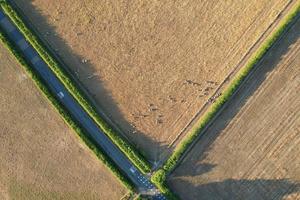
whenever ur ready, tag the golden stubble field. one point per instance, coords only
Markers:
(40, 156)
(151, 65)
(252, 149)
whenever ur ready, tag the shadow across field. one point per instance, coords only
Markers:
(258, 189)
(195, 165)
(84, 75)
(272, 58)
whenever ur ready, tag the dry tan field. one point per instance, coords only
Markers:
(151, 65)
(40, 156)
(252, 150)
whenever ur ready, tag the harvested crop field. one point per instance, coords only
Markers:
(149, 65)
(252, 149)
(40, 157)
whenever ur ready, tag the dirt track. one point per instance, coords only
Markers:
(252, 150)
(151, 65)
(40, 156)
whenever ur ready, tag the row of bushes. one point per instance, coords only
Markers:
(159, 179)
(136, 158)
(64, 113)
(160, 176)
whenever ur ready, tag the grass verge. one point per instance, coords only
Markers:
(133, 155)
(159, 177)
(64, 113)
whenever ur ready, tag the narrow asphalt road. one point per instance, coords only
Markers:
(76, 110)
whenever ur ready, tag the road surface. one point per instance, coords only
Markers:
(76, 110)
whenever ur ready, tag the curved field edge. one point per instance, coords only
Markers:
(133, 155)
(159, 177)
(64, 113)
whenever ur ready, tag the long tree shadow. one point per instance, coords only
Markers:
(195, 163)
(87, 75)
(231, 189)
(279, 51)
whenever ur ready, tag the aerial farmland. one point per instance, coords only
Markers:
(150, 100)
(40, 157)
(151, 66)
(252, 149)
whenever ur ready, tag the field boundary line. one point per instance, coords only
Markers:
(160, 176)
(236, 91)
(68, 119)
(131, 153)
(231, 75)
(58, 58)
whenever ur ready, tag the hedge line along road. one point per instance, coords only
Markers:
(75, 109)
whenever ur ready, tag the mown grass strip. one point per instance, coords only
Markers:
(133, 155)
(159, 177)
(64, 113)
